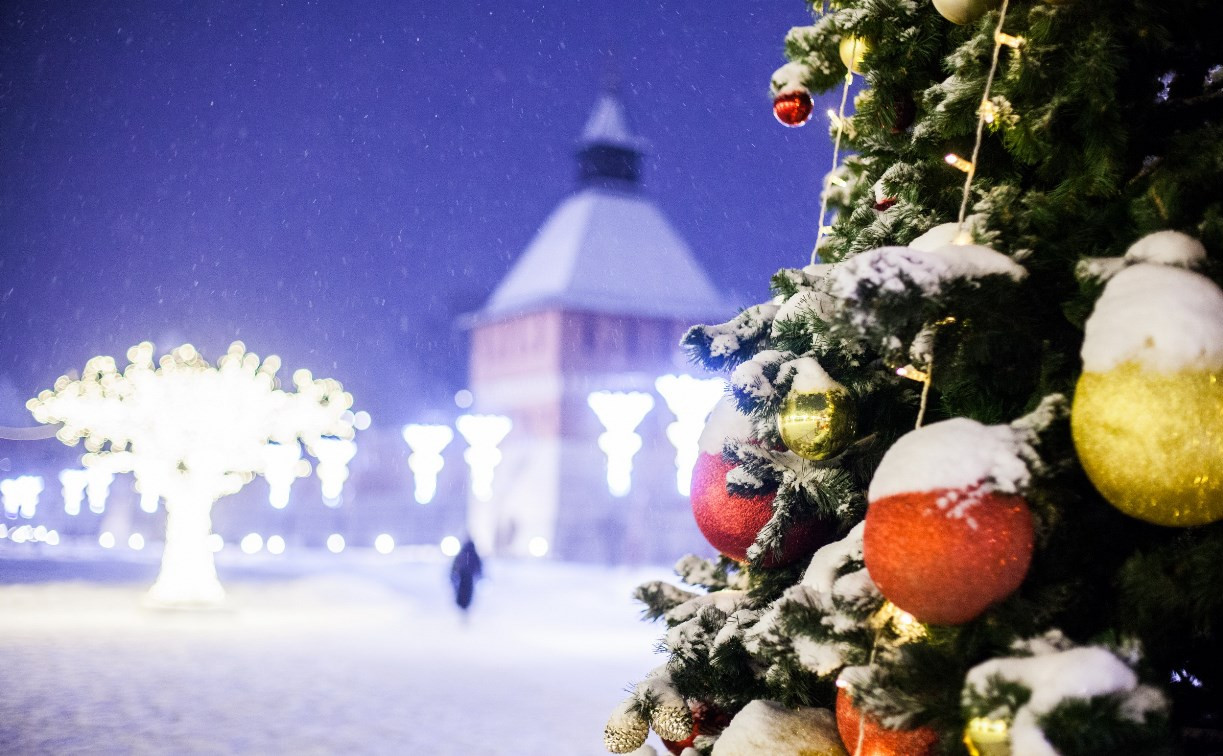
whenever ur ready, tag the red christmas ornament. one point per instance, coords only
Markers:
(793, 108)
(904, 111)
(731, 522)
(946, 555)
(874, 737)
(706, 720)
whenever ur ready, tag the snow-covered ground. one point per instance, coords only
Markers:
(362, 656)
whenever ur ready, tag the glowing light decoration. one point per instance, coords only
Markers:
(106, 540)
(192, 433)
(72, 487)
(276, 545)
(251, 543)
(620, 413)
(425, 461)
(450, 546)
(20, 495)
(148, 500)
(690, 400)
(384, 543)
(135, 542)
(97, 487)
(333, 454)
(282, 466)
(538, 546)
(335, 543)
(483, 433)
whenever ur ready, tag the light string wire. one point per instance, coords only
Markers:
(981, 111)
(836, 152)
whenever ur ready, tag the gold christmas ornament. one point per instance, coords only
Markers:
(817, 424)
(1147, 417)
(1152, 442)
(964, 11)
(852, 50)
(987, 737)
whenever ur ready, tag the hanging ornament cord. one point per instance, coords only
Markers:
(925, 392)
(836, 152)
(870, 666)
(982, 111)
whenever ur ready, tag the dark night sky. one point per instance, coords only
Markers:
(335, 182)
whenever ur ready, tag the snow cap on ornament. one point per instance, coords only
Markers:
(767, 727)
(1147, 419)
(792, 103)
(947, 532)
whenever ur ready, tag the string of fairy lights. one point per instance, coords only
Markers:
(980, 731)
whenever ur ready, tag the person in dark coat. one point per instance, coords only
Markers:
(464, 573)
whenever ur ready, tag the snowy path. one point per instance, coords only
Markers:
(364, 662)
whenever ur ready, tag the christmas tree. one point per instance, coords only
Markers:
(968, 475)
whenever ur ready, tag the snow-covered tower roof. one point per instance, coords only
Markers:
(607, 248)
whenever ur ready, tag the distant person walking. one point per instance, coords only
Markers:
(464, 573)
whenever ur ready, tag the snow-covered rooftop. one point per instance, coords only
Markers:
(612, 252)
(607, 248)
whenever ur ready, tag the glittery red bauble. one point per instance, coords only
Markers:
(876, 739)
(945, 555)
(793, 108)
(732, 522)
(706, 720)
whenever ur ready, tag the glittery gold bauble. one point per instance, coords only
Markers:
(852, 50)
(1152, 443)
(964, 11)
(818, 424)
(988, 737)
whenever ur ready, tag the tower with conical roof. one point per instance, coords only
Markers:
(597, 301)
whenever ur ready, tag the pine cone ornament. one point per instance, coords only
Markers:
(627, 730)
(672, 722)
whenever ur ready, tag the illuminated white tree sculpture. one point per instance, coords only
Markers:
(192, 433)
(20, 495)
(426, 461)
(620, 413)
(483, 433)
(690, 400)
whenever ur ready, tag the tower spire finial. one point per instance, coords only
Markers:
(610, 155)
